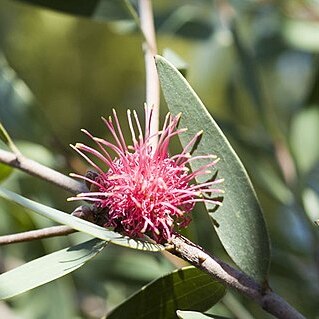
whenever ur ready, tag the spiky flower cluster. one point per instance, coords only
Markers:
(144, 191)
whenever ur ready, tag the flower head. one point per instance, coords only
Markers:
(144, 191)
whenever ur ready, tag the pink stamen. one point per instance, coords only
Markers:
(145, 191)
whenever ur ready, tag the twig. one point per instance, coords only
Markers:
(150, 50)
(180, 247)
(267, 299)
(33, 168)
(188, 251)
(48, 232)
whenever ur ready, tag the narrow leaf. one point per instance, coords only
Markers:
(79, 224)
(239, 223)
(196, 315)
(186, 288)
(47, 268)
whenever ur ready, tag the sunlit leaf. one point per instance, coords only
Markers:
(239, 223)
(47, 268)
(78, 224)
(187, 288)
(196, 315)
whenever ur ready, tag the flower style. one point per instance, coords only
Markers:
(144, 191)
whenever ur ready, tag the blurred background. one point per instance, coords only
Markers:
(255, 65)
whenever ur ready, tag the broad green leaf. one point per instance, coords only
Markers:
(196, 315)
(94, 9)
(239, 223)
(47, 268)
(186, 288)
(79, 224)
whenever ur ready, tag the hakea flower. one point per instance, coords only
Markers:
(144, 191)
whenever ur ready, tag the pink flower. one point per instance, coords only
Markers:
(145, 191)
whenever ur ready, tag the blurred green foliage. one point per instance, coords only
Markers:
(253, 63)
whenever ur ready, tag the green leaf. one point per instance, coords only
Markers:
(79, 224)
(47, 268)
(95, 9)
(186, 288)
(196, 315)
(239, 223)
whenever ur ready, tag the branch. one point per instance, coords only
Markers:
(188, 251)
(267, 299)
(33, 168)
(150, 50)
(17, 160)
(180, 247)
(36, 234)
(83, 212)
